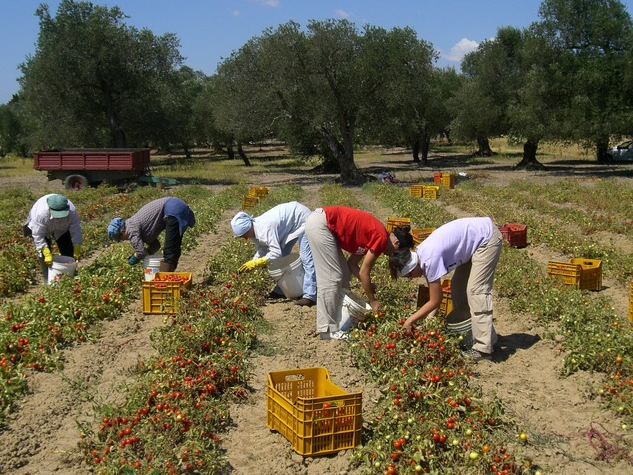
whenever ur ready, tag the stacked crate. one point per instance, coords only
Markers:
(447, 180)
(416, 190)
(251, 199)
(431, 192)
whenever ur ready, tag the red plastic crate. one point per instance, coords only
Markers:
(514, 234)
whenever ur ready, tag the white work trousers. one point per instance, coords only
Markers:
(332, 272)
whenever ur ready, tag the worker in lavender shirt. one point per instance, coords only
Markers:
(471, 247)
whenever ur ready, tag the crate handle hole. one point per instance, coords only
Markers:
(295, 377)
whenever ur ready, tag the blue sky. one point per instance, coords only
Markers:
(209, 30)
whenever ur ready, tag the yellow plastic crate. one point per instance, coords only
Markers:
(257, 191)
(161, 296)
(631, 301)
(249, 202)
(416, 190)
(448, 180)
(579, 273)
(446, 306)
(420, 234)
(393, 223)
(430, 192)
(312, 412)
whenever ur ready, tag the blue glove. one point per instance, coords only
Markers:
(133, 260)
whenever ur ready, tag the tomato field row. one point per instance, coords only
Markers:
(429, 419)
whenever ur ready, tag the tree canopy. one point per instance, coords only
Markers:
(93, 80)
(325, 88)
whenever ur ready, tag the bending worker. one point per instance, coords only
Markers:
(471, 247)
(54, 217)
(275, 232)
(143, 228)
(330, 231)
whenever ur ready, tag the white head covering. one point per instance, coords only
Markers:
(241, 223)
(410, 265)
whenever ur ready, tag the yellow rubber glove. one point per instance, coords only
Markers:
(48, 256)
(250, 265)
(77, 251)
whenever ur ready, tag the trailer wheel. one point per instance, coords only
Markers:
(75, 182)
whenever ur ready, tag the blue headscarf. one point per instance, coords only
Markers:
(114, 229)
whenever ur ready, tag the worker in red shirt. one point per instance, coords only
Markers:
(330, 231)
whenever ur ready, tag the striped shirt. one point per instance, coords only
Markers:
(147, 223)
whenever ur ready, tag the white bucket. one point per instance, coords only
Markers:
(288, 273)
(353, 310)
(152, 266)
(61, 265)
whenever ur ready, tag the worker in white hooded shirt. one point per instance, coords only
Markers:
(275, 232)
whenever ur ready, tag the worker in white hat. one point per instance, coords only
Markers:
(275, 232)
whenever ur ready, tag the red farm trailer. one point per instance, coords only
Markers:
(78, 168)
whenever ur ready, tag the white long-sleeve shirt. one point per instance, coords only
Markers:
(43, 226)
(277, 227)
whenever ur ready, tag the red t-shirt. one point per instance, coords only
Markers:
(356, 231)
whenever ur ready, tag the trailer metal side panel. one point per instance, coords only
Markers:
(136, 160)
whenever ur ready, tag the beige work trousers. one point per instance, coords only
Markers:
(471, 291)
(332, 272)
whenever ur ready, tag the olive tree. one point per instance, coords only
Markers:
(593, 38)
(93, 80)
(318, 89)
(492, 74)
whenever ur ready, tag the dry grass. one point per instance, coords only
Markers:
(14, 166)
(207, 166)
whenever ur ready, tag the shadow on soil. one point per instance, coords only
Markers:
(507, 345)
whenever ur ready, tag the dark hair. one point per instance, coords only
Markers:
(403, 234)
(398, 260)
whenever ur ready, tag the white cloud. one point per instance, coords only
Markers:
(461, 48)
(235, 13)
(342, 14)
(268, 3)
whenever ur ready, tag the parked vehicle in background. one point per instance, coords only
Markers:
(620, 153)
(81, 167)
